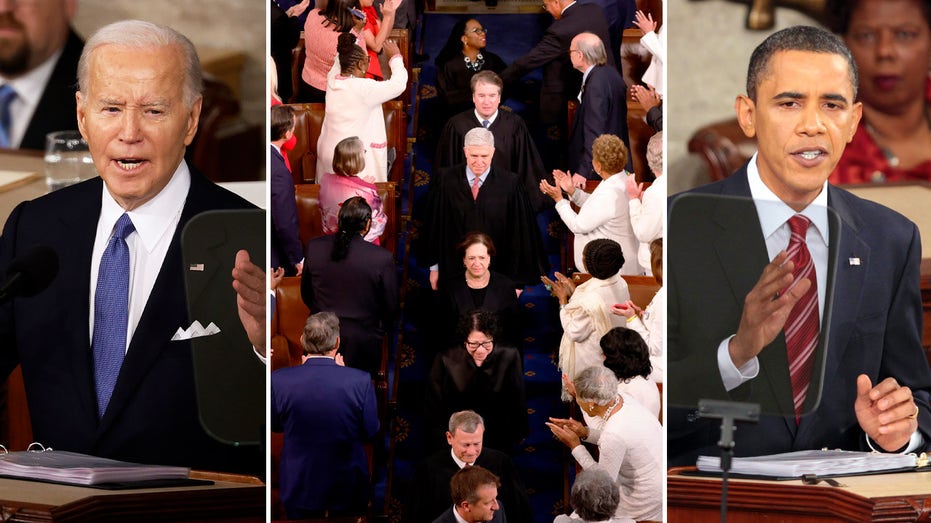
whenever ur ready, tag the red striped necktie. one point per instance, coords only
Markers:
(801, 328)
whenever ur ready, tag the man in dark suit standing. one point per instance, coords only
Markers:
(560, 82)
(603, 107)
(327, 412)
(430, 494)
(474, 491)
(38, 68)
(287, 251)
(806, 282)
(103, 374)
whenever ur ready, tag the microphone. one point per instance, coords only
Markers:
(30, 273)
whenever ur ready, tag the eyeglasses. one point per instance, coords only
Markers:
(474, 345)
(477, 30)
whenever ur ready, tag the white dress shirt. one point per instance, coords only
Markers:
(29, 88)
(155, 222)
(646, 218)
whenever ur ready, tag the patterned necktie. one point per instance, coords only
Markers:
(485, 124)
(801, 328)
(111, 303)
(475, 186)
(7, 95)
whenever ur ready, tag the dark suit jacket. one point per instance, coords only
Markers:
(430, 486)
(362, 290)
(449, 517)
(287, 250)
(57, 108)
(873, 319)
(603, 111)
(152, 416)
(327, 412)
(560, 80)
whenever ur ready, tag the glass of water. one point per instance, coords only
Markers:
(67, 159)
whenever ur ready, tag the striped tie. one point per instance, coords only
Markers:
(801, 329)
(7, 95)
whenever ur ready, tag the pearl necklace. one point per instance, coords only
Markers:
(607, 413)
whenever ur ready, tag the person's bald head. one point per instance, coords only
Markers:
(586, 50)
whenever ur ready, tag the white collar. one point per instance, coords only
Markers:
(458, 461)
(491, 119)
(773, 212)
(151, 219)
(30, 86)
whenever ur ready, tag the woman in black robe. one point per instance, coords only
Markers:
(463, 55)
(480, 375)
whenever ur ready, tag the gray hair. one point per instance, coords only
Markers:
(655, 153)
(797, 38)
(592, 48)
(466, 420)
(320, 333)
(479, 137)
(595, 496)
(597, 384)
(139, 34)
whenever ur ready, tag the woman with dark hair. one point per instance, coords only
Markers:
(891, 43)
(463, 55)
(353, 107)
(357, 281)
(321, 37)
(650, 323)
(627, 355)
(483, 375)
(482, 288)
(584, 311)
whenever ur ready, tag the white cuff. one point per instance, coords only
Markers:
(914, 443)
(731, 376)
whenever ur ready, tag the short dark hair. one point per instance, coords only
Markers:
(465, 484)
(656, 259)
(486, 77)
(282, 118)
(353, 215)
(839, 12)
(626, 354)
(603, 258)
(595, 496)
(349, 52)
(797, 38)
(473, 238)
(480, 320)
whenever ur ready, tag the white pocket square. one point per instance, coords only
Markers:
(196, 330)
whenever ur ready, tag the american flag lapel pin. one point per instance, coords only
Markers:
(196, 267)
(853, 261)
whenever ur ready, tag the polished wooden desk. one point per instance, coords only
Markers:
(887, 497)
(12, 160)
(232, 498)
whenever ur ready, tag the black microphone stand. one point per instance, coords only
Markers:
(728, 412)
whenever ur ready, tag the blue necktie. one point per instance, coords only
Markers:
(7, 95)
(485, 123)
(111, 306)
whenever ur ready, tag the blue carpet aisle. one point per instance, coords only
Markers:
(540, 459)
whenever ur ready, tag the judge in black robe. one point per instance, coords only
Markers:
(453, 77)
(515, 150)
(502, 211)
(497, 297)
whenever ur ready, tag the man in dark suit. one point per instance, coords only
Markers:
(603, 107)
(287, 251)
(560, 82)
(430, 494)
(477, 196)
(356, 280)
(474, 491)
(327, 412)
(737, 246)
(39, 58)
(127, 392)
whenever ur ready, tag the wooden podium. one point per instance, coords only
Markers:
(881, 497)
(232, 498)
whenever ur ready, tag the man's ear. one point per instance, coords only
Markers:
(746, 115)
(857, 111)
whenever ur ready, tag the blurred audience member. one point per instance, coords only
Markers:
(605, 212)
(375, 33)
(475, 497)
(627, 356)
(327, 412)
(595, 498)
(344, 182)
(650, 323)
(629, 439)
(289, 144)
(584, 311)
(353, 107)
(39, 55)
(321, 39)
(648, 207)
(463, 56)
(891, 44)
(287, 251)
(479, 375)
(357, 281)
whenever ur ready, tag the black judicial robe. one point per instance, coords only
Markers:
(515, 150)
(499, 298)
(453, 80)
(501, 211)
(495, 390)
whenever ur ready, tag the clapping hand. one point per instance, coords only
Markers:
(634, 189)
(887, 412)
(552, 191)
(644, 21)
